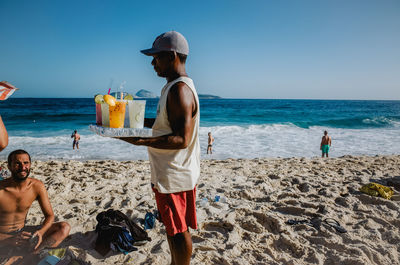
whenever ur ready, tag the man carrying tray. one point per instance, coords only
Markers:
(174, 149)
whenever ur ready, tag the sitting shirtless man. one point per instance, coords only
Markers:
(16, 197)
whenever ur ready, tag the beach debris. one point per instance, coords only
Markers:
(203, 202)
(316, 223)
(375, 189)
(219, 198)
(335, 224)
(149, 221)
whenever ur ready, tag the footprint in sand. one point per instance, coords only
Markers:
(286, 244)
(290, 210)
(68, 216)
(270, 223)
(158, 248)
(125, 203)
(108, 204)
(220, 226)
(342, 201)
(197, 239)
(251, 225)
(304, 187)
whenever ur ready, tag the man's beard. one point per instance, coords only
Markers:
(17, 178)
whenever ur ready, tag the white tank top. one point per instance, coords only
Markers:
(178, 169)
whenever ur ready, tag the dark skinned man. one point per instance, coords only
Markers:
(174, 149)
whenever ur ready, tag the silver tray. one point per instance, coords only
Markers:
(120, 132)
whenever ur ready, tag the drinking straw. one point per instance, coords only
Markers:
(121, 87)
(109, 90)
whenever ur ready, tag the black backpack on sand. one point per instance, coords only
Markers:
(116, 230)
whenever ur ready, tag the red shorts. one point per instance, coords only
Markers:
(177, 210)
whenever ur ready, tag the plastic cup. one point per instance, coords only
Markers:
(136, 113)
(117, 114)
(204, 202)
(105, 115)
(98, 115)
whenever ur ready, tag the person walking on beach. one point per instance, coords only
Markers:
(16, 197)
(3, 135)
(76, 137)
(174, 149)
(325, 144)
(210, 143)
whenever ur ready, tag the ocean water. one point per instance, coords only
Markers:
(242, 128)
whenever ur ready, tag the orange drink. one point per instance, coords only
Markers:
(117, 114)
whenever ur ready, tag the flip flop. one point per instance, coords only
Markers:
(335, 224)
(296, 222)
(316, 222)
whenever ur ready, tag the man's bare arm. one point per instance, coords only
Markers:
(45, 205)
(3, 135)
(181, 107)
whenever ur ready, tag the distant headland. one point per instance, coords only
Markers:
(142, 93)
(207, 96)
(148, 94)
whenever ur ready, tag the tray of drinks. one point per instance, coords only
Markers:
(120, 132)
(120, 115)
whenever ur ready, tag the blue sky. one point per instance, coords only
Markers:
(238, 49)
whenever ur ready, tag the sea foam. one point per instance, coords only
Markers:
(269, 140)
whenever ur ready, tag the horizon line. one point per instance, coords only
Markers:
(331, 99)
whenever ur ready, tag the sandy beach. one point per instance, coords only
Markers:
(248, 223)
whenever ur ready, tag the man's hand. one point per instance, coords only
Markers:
(19, 240)
(36, 240)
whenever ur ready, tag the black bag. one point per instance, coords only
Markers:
(115, 229)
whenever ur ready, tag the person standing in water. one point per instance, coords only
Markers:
(210, 143)
(76, 137)
(326, 143)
